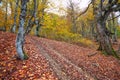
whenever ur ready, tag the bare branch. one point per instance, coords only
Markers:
(114, 18)
(84, 10)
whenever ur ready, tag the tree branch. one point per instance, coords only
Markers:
(84, 10)
(114, 18)
(30, 22)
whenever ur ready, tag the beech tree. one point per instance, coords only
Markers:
(102, 11)
(21, 33)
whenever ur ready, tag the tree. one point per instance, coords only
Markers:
(40, 19)
(6, 17)
(113, 23)
(86, 24)
(7, 8)
(32, 22)
(102, 11)
(74, 12)
(13, 29)
(21, 33)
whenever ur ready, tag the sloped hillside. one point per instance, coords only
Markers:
(53, 60)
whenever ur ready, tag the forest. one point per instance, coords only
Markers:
(59, 40)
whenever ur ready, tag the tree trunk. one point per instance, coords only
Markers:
(83, 29)
(30, 22)
(21, 33)
(92, 31)
(6, 16)
(37, 28)
(114, 36)
(37, 21)
(101, 12)
(104, 41)
(13, 29)
(74, 28)
(40, 21)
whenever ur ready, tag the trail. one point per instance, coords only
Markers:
(88, 76)
(55, 64)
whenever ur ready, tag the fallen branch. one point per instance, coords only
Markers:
(90, 55)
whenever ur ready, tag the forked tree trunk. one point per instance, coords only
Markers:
(105, 44)
(21, 33)
(104, 39)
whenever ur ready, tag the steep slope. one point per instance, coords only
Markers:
(53, 60)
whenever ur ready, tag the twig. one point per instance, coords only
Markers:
(114, 18)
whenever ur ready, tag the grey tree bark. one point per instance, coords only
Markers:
(21, 33)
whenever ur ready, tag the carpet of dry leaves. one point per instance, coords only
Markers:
(75, 62)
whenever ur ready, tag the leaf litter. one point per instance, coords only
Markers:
(67, 56)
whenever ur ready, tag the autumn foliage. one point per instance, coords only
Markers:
(34, 54)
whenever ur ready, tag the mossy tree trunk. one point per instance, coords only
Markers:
(101, 12)
(105, 44)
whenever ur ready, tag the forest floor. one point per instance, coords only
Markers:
(54, 60)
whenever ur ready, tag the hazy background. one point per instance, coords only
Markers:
(59, 6)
